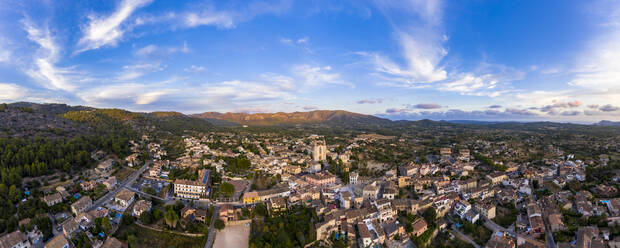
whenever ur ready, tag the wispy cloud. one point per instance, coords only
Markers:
(457, 114)
(209, 15)
(370, 101)
(134, 71)
(129, 93)
(152, 50)
(609, 108)
(309, 108)
(107, 30)
(420, 37)
(44, 69)
(426, 106)
(195, 69)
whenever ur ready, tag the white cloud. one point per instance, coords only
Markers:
(153, 50)
(195, 69)
(9, 91)
(409, 113)
(243, 91)
(596, 75)
(147, 50)
(137, 93)
(286, 41)
(134, 71)
(303, 40)
(107, 30)
(317, 76)
(210, 18)
(420, 38)
(44, 70)
(488, 80)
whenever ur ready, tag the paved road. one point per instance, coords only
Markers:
(497, 228)
(128, 181)
(142, 193)
(549, 234)
(464, 237)
(212, 231)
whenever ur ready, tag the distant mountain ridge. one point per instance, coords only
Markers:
(608, 123)
(293, 118)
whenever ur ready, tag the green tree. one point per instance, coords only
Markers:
(146, 218)
(171, 218)
(127, 219)
(14, 194)
(157, 214)
(429, 215)
(227, 189)
(219, 224)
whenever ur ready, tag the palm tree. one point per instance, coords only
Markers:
(171, 218)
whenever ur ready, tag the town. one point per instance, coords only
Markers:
(268, 189)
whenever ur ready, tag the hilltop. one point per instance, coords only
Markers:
(25, 119)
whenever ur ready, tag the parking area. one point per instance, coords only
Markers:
(147, 184)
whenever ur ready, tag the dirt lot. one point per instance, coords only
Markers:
(123, 173)
(233, 236)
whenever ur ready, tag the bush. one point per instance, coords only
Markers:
(219, 224)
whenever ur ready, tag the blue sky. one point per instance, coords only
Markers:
(410, 59)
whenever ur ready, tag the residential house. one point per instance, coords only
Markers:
(486, 209)
(16, 239)
(497, 177)
(345, 199)
(112, 242)
(52, 199)
(194, 214)
(110, 183)
(500, 241)
(140, 207)
(70, 227)
(419, 227)
(124, 198)
(371, 191)
(88, 185)
(81, 205)
(105, 166)
(364, 234)
(58, 242)
(408, 170)
(277, 204)
(556, 223)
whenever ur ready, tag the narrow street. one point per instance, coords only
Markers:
(212, 230)
(128, 181)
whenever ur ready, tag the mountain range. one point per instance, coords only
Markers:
(328, 117)
(28, 119)
(608, 123)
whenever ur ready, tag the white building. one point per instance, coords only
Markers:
(124, 198)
